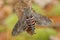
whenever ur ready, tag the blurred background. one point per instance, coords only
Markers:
(48, 8)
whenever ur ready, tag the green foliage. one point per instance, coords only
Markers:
(41, 34)
(11, 21)
(2, 28)
(38, 9)
(55, 11)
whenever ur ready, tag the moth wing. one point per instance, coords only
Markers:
(41, 20)
(19, 26)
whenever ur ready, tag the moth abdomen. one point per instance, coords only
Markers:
(31, 25)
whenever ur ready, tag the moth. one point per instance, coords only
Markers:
(28, 19)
